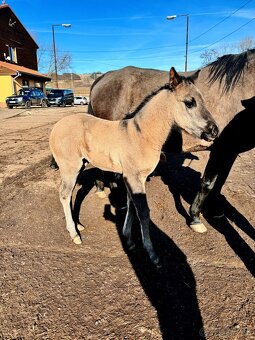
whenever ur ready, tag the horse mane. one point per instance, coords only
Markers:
(231, 67)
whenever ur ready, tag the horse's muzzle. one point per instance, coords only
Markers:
(211, 132)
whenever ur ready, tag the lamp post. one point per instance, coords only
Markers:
(172, 17)
(54, 48)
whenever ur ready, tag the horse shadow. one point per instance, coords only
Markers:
(172, 289)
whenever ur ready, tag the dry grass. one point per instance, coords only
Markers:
(80, 87)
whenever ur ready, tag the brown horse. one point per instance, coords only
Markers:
(225, 85)
(131, 147)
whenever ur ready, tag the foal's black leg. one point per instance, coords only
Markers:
(99, 182)
(127, 228)
(143, 213)
(139, 200)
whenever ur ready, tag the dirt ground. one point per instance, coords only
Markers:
(53, 289)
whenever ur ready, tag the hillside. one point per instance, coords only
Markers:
(79, 83)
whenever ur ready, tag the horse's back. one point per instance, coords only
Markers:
(121, 91)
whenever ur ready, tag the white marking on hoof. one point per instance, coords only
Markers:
(80, 227)
(198, 228)
(101, 194)
(77, 239)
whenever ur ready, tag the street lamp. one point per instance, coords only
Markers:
(54, 48)
(172, 17)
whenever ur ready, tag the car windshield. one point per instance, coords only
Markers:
(55, 93)
(59, 92)
(23, 92)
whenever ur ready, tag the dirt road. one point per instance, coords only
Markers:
(53, 289)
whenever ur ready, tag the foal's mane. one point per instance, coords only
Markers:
(230, 66)
(129, 115)
(167, 86)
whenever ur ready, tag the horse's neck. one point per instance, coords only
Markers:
(155, 119)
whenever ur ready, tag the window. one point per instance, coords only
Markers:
(39, 85)
(12, 54)
(25, 82)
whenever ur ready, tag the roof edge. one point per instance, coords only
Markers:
(7, 6)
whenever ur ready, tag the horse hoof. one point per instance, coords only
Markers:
(101, 194)
(198, 227)
(77, 239)
(80, 227)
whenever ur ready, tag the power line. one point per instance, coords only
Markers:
(221, 21)
(202, 49)
(161, 56)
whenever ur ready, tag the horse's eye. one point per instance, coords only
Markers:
(190, 103)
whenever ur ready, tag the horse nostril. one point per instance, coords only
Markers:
(211, 132)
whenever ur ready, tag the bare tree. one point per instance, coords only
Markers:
(208, 56)
(243, 45)
(45, 58)
(246, 44)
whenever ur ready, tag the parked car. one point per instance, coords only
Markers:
(79, 100)
(60, 97)
(27, 97)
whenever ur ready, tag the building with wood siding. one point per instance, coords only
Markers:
(18, 56)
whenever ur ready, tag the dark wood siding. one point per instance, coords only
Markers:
(13, 34)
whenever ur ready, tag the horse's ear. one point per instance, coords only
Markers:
(194, 76)
(174, 78)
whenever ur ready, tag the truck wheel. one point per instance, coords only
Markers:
(44, 104)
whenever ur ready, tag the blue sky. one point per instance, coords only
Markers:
(107, 35)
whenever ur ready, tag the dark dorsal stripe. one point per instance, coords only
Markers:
(129, 115)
